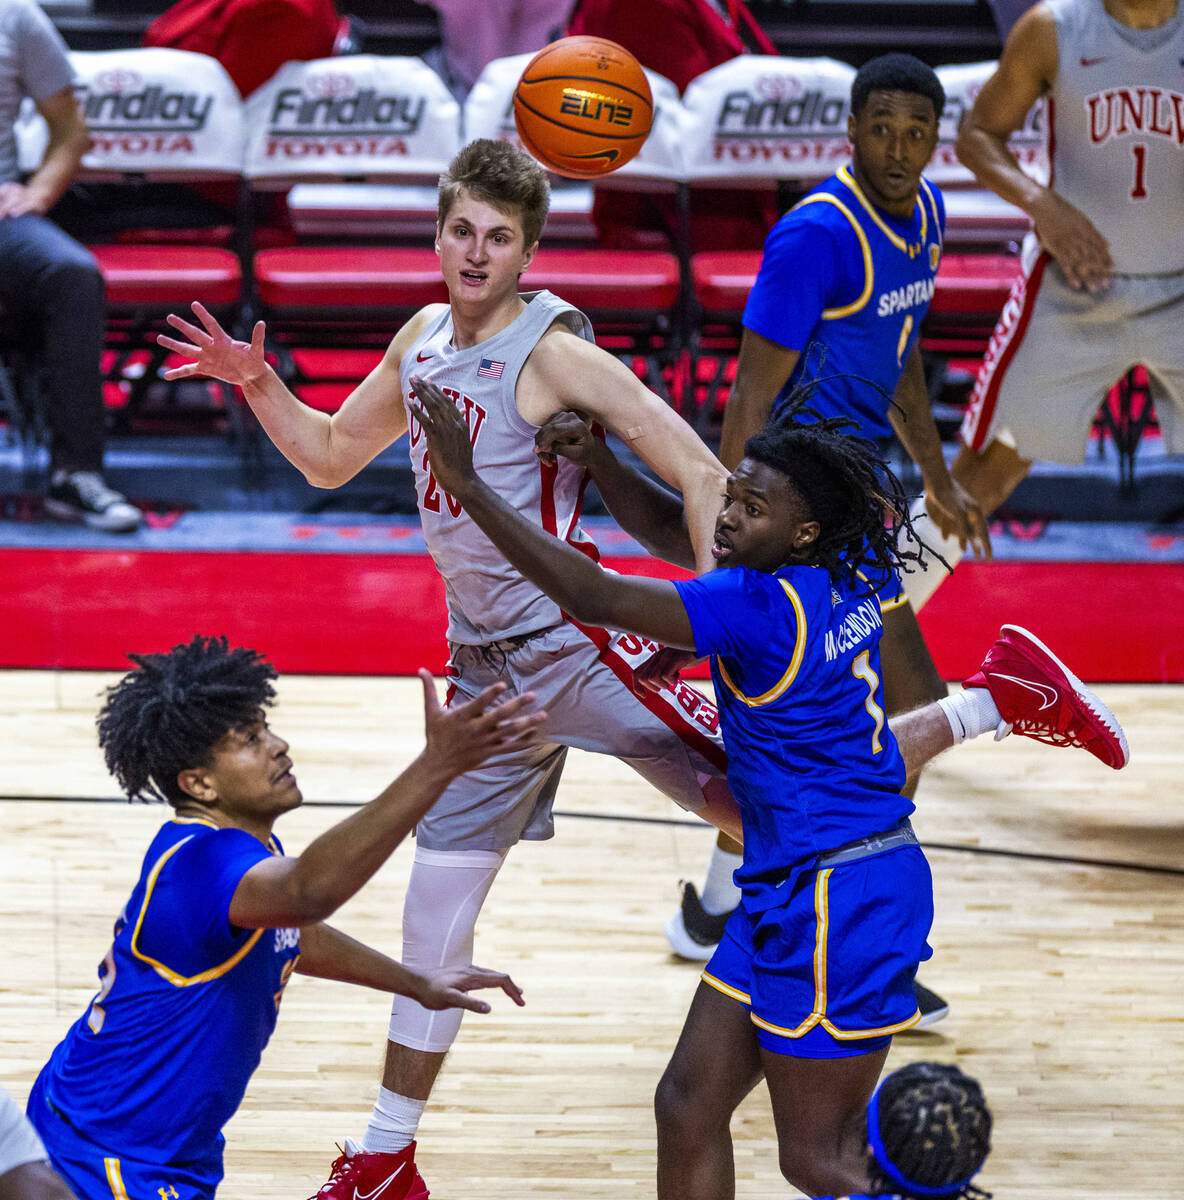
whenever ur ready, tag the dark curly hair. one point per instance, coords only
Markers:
(897, 73)
(929, 1132)
(858, 502)
(168, 714)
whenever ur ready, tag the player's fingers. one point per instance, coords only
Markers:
(431, 702)
(483, 700)
(187, 371)
(483, 977)
(521, 732)
(204, 315)
(198, 337)
(459, 999)
(163, 339)
(257, 336)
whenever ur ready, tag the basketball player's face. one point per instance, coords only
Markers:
(482, 251)
(764, 522)
(892, 140)
(249, 776)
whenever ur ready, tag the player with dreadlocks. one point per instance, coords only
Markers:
(814, 972)
(133, 1100)
(926, 1134)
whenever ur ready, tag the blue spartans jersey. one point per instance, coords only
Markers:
(795, 658)
(847, 286)
(160, 1060)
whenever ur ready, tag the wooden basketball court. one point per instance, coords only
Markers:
(1059, 941)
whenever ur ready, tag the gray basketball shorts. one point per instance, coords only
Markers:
(1056, 353)
(581, 678)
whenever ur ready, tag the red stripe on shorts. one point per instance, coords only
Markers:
(683, 709)
(1005, 341)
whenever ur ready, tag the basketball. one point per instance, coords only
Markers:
(583, 106)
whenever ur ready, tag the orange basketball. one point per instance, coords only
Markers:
(583, 106)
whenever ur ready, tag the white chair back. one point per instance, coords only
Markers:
(158, 113)
(364, 116)
(962, 84)
(757, 119)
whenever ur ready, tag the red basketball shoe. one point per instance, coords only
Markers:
(358, 1174)
(1039, 697)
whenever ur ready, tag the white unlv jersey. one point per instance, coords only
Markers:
(1116, 132)
(487, 598)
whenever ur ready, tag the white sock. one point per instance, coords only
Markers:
(720, 894)
(919, 585)
(972, 712)
(393, 1123)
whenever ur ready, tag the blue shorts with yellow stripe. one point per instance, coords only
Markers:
(102, 1173)
(829, 973)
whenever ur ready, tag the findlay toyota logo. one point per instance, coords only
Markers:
(784, 119)
(778, 87)
(331, 85)
(117, 80)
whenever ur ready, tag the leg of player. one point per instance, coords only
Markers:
(445, 893)
(990, 476)
(714, 1066)
(813, 1101)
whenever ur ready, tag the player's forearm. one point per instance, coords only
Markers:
(986, 155)
(646, 511)
(327, 953)
(911, 417)
(745, 414)
(301, 434)
(343, 858)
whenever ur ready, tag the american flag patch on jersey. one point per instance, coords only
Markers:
(490, 368)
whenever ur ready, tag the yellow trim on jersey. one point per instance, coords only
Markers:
(791, 671)
(885, 605)
(115, 1178)
(936, 219)
(869, 278)
(726, 988)
(844, 173)
(167, 973)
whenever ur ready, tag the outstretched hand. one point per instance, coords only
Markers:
(1074, 241)
(448, 987)
(449, 447)
(662, 669)
(217, 354)
(463, 737)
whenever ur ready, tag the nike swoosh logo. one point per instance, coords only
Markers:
(373, 1195)
(1092, 62)
(1046, 694)
(418, 358)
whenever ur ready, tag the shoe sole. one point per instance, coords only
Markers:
(682, 944)
(932, 1017)
(67, 512)
(1084, 694)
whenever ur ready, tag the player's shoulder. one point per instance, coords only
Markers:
(561, 348)
(412, 330)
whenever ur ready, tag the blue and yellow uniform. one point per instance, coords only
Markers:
(843, 277)
(132, 1102)
(836, 896)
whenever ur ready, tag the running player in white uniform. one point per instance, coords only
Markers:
(1102, 288)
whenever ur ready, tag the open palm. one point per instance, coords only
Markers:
(215, 352)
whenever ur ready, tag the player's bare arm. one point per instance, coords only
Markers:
(648, 512)
(762, 369)
(68, 140)
(1026, 71)
(566, 372)
(299, 891)
(327, 953)
(953, 509)
(326, 450)
(579, 586)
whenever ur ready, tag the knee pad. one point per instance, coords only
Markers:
(444, 897)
